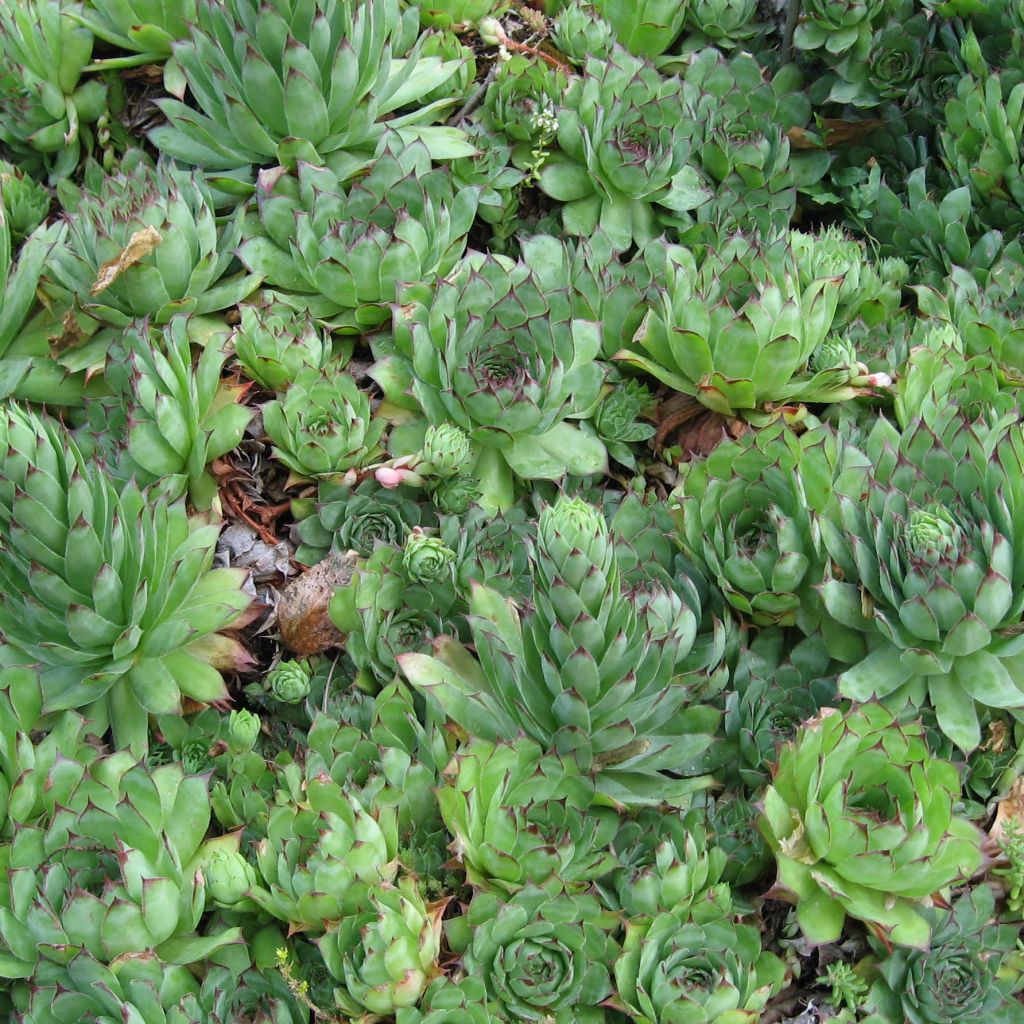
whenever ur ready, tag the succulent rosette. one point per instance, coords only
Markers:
(980, 146)
(647, 27)
(119, 659)
(178, 417)
(500, 354)
(626, 134)
(118, 841)
(323, 425)
(930, 578)
(737, 329)
(243, 731)
(867, 290)
(145, 242)
(344, 249)
(273, 344)
(774, 686)
(385, 958)
(542, 957)
(299, 81)
(672, 971)
(603, 287)
(426, 558)
(667, 866)
(289, 681)
(892, 65)
(745, 516)
(837, 25)
(957, 979)
(48, 100)
(446, 451)
(25, 202)
(359, 519)
(320, 859)
(861, 819)
(393, 605)
(450, 1002)
(749, 171)
(589, 668)
(32, 374)
(580, 32)
(229, 878)
(726, 24)
(520, 817)
(147, 28)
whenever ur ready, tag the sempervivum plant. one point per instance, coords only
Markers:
(726, 24)
(301, 81)
(27, 758)
(31, 373)
(745, 520)
(145, 989)
(321, 857)
(500, 353)
(667, 867)
(273, 343)
(774, 687)
(289, 681)
(748, 170)
(542, 957)
(25, 202)
(672, 970)
(737, 329)
(930, 570)
(588, 668)
(957, 979)
(892, 64)
(145, 243)
(603, 287)
(449, 1002)
(358, 519)
(145, 28)
(44, 51)
(837, 26)
(520, 102)
(120, 842)
(384, 958)
(520, 818)
(580, 32)
(625, 133)
(861, 819)
(645, 27)
(110, 594)
(426, 559)
(868, 290)
(344, 251)
(322, 426)
(932, 233)
(981, 147)
(179, 418)
(385, 611)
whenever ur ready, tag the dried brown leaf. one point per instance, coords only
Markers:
(140, 245)
(302, 617)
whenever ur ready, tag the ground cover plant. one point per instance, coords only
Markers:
(511, 510)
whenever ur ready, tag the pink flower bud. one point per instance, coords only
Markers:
(389, 477)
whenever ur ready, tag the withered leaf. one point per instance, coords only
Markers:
(302, 617)
(141, 244)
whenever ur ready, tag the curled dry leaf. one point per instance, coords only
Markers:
(141, 244)
(1010, 808)
(302, 617)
